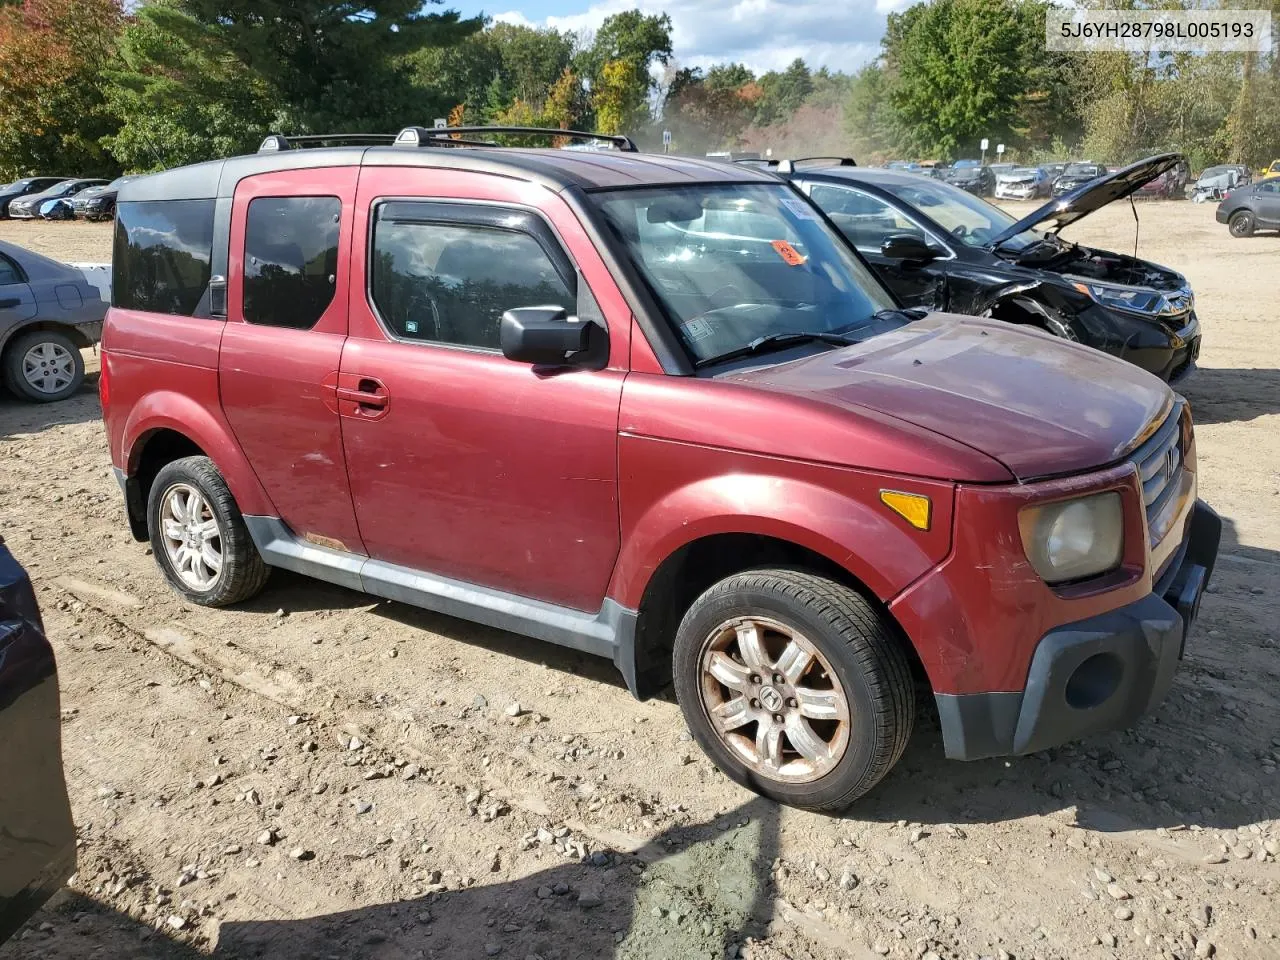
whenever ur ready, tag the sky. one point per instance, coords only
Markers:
(763, 34)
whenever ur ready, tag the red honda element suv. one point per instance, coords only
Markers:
(655, 409)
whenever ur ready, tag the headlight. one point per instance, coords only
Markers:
(1074, 539)
(1133, 299)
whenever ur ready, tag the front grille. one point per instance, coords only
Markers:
(1160, 462)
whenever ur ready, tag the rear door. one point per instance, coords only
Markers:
(37, 838)
(287, 275)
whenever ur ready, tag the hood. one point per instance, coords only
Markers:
(1038, 405)
(1093, 195)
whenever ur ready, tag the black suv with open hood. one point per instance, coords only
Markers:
(941, 247)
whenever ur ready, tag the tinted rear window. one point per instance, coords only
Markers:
(161, 258)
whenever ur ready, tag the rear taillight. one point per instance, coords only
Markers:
(104, 380)
(1227, 195)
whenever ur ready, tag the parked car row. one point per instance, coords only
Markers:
(60, 198)
(1008, 181)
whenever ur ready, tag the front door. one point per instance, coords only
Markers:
(867, 221)
(464, 464)
(1268, 203)
(286, 322)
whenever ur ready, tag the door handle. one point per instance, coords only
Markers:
(369, 393)
(8, 302)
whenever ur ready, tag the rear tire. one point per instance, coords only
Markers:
(198, 535)
(795, 686)
(43, 366)
(1241, 224)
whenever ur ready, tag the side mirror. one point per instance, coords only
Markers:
(544, 336)
(906, 246)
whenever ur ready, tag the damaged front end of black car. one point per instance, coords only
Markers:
(1126, 306)
(942, 248)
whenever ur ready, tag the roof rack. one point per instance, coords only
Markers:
(435, 136)
(788, 166)
(276, 142)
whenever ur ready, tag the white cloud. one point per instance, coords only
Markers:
(763, 34)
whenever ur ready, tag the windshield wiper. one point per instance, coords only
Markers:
(902, 314)
(778, 341)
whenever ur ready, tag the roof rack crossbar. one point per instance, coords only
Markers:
(788, 166)
(276, 142)
(422, 136)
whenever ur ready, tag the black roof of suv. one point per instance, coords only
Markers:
(553, 168)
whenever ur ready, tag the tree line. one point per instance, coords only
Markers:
(96, 87)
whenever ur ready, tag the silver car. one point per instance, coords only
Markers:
(49, 312)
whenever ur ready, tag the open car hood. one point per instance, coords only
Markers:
(1091, 196)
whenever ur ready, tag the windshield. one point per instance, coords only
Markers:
(733, 263)
(1082, 170)
(1026, 171)
(969, 219)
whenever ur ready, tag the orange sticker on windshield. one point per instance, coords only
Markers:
(788, 253)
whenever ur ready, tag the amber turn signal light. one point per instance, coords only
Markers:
(914, 508)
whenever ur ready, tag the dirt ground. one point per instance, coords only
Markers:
(324, 775)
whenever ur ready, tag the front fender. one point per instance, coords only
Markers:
(843, 521)
(170, 410)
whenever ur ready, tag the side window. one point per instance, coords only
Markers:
(9, 272)
(160, 259)
(1269, 187)
(451, 282)
(865, 220)
(290, 259)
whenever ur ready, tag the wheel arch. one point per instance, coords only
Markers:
(166, 426)
(700, 553)
(76, 336)
(699, 564)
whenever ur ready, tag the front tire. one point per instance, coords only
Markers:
(1241, 224)
(198, 535)
(43, 366)
(795, 686)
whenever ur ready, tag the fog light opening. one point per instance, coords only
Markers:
(1094, 681)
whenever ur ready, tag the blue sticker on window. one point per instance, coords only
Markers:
(411, 326)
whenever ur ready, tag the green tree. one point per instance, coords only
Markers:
(618, 96)
(616, 65)
(959, 70)
(330, 65)
(868, 118)
(783, 93)
(53, 113)
(180, 98)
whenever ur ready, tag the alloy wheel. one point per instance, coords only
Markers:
(48, 367)
(192, 537)
(773, 699)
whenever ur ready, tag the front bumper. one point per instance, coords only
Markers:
(1145, 342)
(1097, 674)
(1016, 191)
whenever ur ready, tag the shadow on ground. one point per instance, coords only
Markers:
(697, 891)
(1152, 776)
(1231, 394)
(22, 417)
